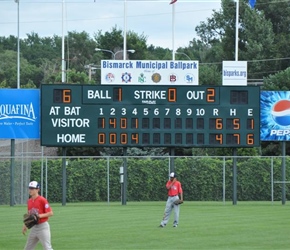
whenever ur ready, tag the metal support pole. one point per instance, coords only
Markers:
(108, 179)
(12, 163)
(234, 176)
(124, 186)
(224, 180)
(64, 176)
(272, 181)
(283, 174)
(12, 167)
(90, 72)
(42, 174)
(46, 177)
(172, 154)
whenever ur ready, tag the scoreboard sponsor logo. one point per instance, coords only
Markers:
(142, 78)
(189, 78)
(110, 78)
(281, 112)
(173, 78)
(126, 77)
(156, 77)
(19, 114)
(275, 115)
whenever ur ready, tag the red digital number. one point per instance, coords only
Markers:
(250, 139)
(66, 96)
(124, 138)
(135, 138)
(123, 123)
(102, 138)
(113, 138)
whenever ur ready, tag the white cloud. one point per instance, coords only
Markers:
(151, 18)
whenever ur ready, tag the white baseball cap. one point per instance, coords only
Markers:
(172, 175)
(34, 184)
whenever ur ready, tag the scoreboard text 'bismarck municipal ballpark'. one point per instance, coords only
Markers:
(148, 65)
(152, 116)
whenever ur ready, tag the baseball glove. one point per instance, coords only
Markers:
(30, 220)
(178, 202)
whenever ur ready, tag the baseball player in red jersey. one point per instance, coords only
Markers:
(174, 190)
(40, 232)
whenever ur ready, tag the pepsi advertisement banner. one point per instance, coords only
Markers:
(275, 115)
(19, 113)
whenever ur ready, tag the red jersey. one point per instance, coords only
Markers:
(175, 188)
(40, 205)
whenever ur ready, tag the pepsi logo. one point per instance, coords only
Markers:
(281, 112)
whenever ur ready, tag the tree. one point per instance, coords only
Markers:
(158, 53)
(9, 43)
(34, 48)
(278, 81)
(209, 74)
(278, 13)
(80, 50)
(114, 41)
(8, 70)
(257, 44)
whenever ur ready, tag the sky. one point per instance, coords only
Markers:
(151, 18)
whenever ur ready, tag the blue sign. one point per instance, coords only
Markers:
(19, 113)
(275, 115)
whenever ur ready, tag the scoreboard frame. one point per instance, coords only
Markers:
(150, 116)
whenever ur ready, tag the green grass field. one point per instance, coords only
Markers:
(203, 225)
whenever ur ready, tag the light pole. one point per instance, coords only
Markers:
(114, 54)
(182, 53)
(90, 67)
(12, 164)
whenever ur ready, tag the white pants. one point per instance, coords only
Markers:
(40, 232)
(168, 208)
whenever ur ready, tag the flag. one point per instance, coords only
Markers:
(173, 1)
(251, 2)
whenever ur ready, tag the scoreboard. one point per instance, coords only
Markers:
(150, 116)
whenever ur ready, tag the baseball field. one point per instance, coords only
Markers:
(203, 225)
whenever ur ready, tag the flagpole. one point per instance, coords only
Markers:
(125, 31)
(237, 31)
(173, 31)
(18, 47)
(63, 75)
(234, 149)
